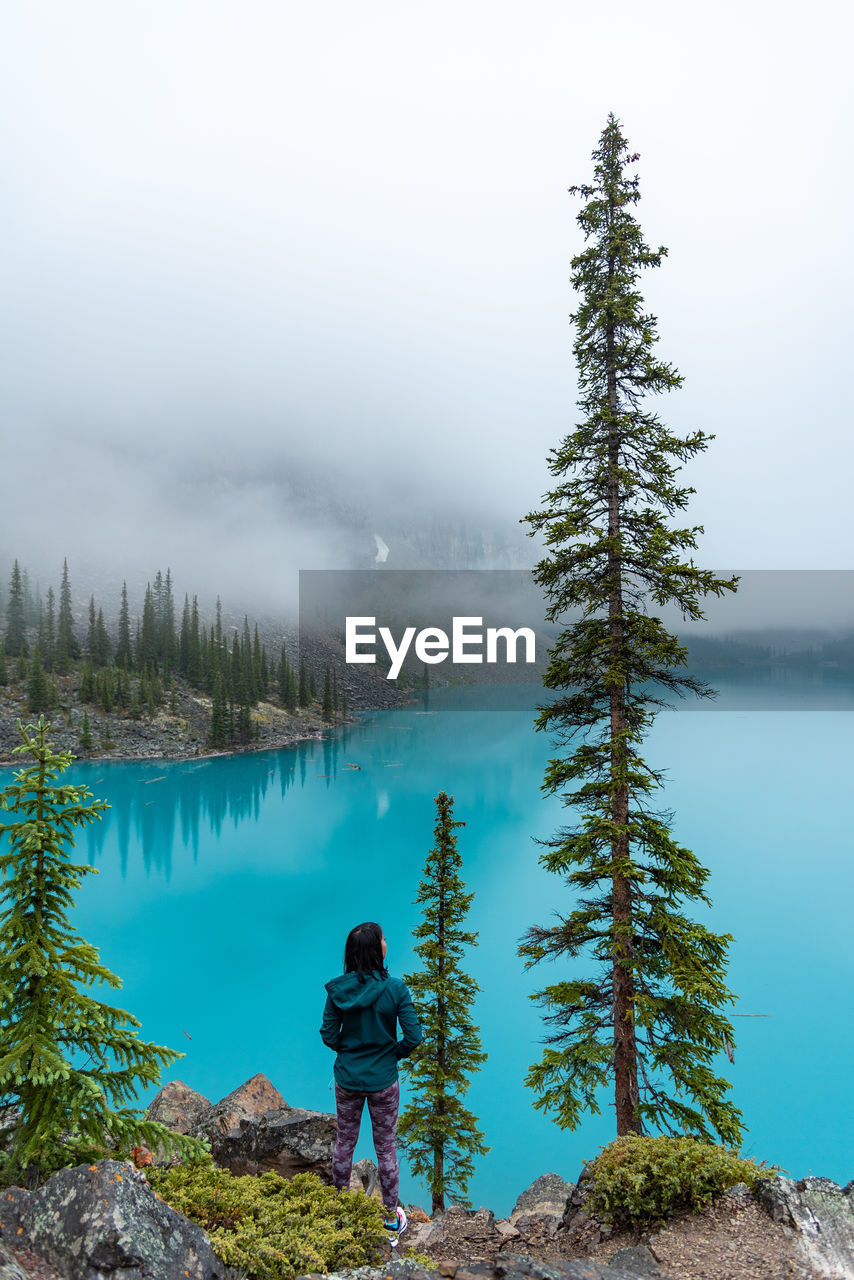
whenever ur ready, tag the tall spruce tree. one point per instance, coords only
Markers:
(67, 644)
(47, 644)
(439, 1133)
(16, 631)
(194, 651)
(123, 649)
(69, 1063)
(146, 650)
(648, 1018)
(168, 636)
(84, 738)
(219, 714)
(91, 640)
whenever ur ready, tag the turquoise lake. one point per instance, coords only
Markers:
(227, 887)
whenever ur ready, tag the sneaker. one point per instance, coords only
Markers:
(396, 1226)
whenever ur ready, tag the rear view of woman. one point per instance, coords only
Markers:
(363, 1008)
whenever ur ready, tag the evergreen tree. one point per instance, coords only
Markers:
(103, 647)
(90, 633)
(38, 691)
(264, 683)
(244, 725)
(184, 639)
(31, 613)
(303, 684)
(194, 649)
(287, 682)
(70, 1064)
(16, 633)
(439, 1133)
(122, 687)
(335, 703)
(47, 646)
(85, 738)
(205, 673)
(246, 661)
(146, 652)
(219, 715)
(67, 644)
(239, 692)
(123, 650)
(344, 706)
(169, 644)
(312, 687)
(326, 705)
(648, 1018)
(257, 673)
(157, 603)
(4, 671)
(136, 702)
(105, 691)
(87, 683)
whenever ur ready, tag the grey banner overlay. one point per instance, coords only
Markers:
(784, 640)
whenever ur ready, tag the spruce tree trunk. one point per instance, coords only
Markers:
(625, 1047)
(439, 1140)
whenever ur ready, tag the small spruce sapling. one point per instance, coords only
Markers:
(439, 1133)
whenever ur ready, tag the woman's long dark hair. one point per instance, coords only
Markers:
(363, 950)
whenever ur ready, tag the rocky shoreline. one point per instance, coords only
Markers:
(103, 1221)
(182, 732)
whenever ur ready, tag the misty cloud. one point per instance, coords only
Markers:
(278, 280)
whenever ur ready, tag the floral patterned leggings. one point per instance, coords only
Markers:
(383, 1107)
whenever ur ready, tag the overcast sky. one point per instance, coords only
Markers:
(241, 236)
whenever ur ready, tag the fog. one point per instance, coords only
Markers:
(280, 280)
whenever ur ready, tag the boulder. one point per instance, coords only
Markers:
(576, 1204)
(287, 1141)
(14, 1202)
(535, 1230)
(548, 1195)
(179, 1107)
(10, 1268)
(96, 1221)
(247, 1102)
(821, 1213)
(365, 1177)
(636, 1259)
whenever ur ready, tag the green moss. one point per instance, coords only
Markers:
(273, 1227)
(642, 1180)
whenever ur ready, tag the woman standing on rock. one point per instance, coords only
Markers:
(363, 1007)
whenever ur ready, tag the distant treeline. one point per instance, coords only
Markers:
(783, 649)
(134, 669)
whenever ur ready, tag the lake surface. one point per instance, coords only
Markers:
(227, 887)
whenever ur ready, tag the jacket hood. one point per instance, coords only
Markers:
(347, 992)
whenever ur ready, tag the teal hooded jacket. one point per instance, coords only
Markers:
(360, 1024)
